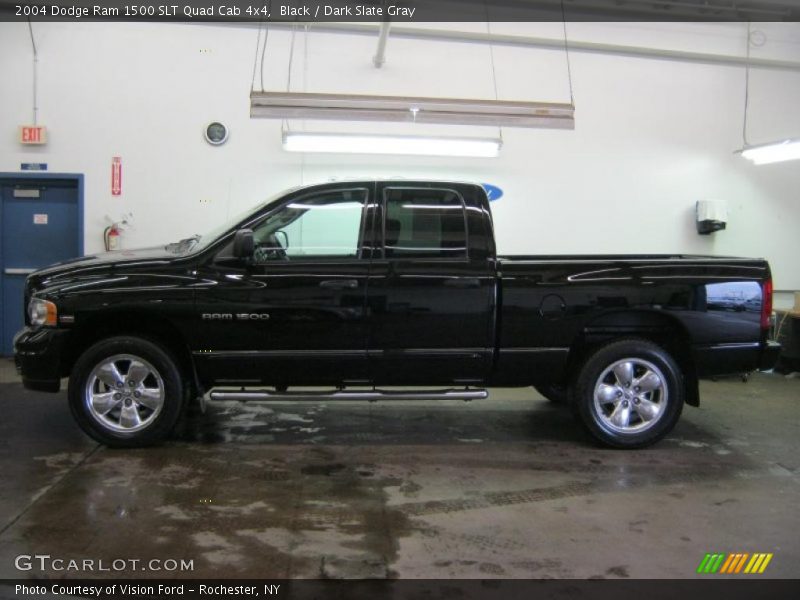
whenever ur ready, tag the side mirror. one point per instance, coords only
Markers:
(243, 243)
(282, 235)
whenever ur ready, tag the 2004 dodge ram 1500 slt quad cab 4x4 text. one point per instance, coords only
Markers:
(356, 285)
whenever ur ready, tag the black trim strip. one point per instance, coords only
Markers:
(333, 353)
(730, 346)
(430, 351)
(532, 350)
(277, 353)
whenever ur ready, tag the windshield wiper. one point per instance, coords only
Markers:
(183, 245)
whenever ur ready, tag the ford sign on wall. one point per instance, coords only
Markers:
(492, 191)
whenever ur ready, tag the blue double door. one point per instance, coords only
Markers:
(39, 225)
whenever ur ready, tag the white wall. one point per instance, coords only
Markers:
(652, 136)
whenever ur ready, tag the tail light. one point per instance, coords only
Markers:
(766, 304)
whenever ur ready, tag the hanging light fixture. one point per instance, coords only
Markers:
(772, 152)
(445, 111)
(355, 143)
(303, 105)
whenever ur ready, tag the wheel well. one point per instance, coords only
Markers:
(659, 328)
(156, 329)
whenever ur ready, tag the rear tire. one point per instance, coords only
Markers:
(629, 394)
(126, 392)
(554, 392)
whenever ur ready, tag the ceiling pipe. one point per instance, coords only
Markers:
(35, 76)
(383, 37)
(444, 35)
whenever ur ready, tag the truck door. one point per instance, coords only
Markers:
(430, 299)
(294, 314)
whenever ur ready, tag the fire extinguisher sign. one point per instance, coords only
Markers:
(116, 176)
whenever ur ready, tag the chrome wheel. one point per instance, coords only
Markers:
(124, 393)
(630, 396)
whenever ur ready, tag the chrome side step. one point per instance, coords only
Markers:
(369, 395)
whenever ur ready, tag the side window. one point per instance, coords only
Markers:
(424, 223)
(322, 226)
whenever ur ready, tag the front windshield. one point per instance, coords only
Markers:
(198, 242)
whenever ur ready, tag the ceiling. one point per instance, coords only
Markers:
(641, 10)
(551, 10)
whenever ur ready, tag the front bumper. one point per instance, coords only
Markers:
(37, 355)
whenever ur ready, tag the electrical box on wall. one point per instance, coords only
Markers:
(712, 215)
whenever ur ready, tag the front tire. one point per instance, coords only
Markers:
(126, 392)
(629, 394)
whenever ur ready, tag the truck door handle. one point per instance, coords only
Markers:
(339, 284)
(463, 282)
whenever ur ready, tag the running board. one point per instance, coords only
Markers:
(370, 396)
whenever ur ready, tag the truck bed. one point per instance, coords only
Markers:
(713, 304)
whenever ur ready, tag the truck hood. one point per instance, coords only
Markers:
(110, 259)
(98, 265)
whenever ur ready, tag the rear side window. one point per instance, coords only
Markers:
(424, 223)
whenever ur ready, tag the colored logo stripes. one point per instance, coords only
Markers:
(733, 563)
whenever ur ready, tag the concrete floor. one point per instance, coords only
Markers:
(507, 487)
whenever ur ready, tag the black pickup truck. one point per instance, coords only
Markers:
(356, 285)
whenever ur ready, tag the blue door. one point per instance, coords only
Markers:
(39, 225)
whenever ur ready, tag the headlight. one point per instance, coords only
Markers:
(42, 312)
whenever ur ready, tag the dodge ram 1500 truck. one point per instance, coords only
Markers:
(361, 286)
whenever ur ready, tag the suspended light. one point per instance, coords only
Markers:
(352, 143)
(773, 152)
(444, 111)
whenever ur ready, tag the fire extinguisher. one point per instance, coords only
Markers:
(111, 237)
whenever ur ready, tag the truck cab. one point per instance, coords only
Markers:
(387, 283)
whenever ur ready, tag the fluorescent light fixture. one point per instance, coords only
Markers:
(446, 111)
(353, 143)
(773, 152)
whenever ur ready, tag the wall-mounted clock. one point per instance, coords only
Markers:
(216, 133)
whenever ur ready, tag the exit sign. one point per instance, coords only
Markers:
(32, 134)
